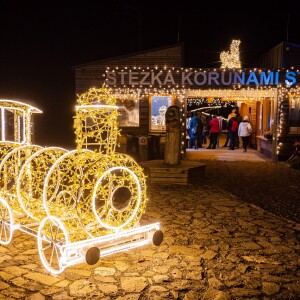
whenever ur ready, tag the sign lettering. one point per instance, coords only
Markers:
(201, 78)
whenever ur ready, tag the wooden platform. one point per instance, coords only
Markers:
(186, 172)
(222, 153)
(225, 154)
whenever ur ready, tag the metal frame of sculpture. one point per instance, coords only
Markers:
(80, 204)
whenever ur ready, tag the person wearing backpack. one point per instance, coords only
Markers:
(232, 127)
(244, 132)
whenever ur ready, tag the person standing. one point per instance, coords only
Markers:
(239, 120)
(194, 130)
(231, 115)
(244, 132)
(205, 123)
(232, 127)
(188, 121)
(214, 132)
(188, 128)
(200, 130)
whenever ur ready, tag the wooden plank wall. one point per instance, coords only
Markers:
(291, 56)
(283, 55)
(91, 75)
(272, 59)
(252, 104)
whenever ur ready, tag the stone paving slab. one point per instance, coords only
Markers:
(215, 247)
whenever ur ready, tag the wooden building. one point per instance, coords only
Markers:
(283, 55)
(147, 82)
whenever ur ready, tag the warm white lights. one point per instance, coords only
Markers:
(12, 113)
(6, 223)
(31, 180)
(234, 94)
(231, 59)
(80, 204)
(110, 215)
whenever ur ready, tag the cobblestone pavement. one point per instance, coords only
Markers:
(215, 247)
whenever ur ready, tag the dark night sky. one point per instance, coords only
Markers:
(40, 44)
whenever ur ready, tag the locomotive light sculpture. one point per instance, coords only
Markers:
(81, 204)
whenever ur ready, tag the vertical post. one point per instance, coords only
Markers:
(28, 125)
(173, 136)
(24, 127)
(2, 125)
(179, 29)
(275, 127)
(19, 129)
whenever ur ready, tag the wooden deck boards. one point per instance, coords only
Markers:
(184, 173)
(223, 153)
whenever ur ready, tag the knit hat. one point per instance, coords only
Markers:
(246, 118)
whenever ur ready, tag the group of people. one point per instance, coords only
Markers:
(236, 128)
(198, 127)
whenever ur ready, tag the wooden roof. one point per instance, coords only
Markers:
(129, 55)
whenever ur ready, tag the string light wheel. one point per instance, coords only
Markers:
(117, 198)
(52, 236)
(6, 223)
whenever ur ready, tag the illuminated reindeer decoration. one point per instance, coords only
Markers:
(231, 59)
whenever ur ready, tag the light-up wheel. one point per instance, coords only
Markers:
(11, 165)
(6, 223)
(52, 235)
(31, 179)
(117, 198)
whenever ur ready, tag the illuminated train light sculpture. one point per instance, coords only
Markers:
(81, 204)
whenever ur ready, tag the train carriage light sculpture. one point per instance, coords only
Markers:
(85, 203)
